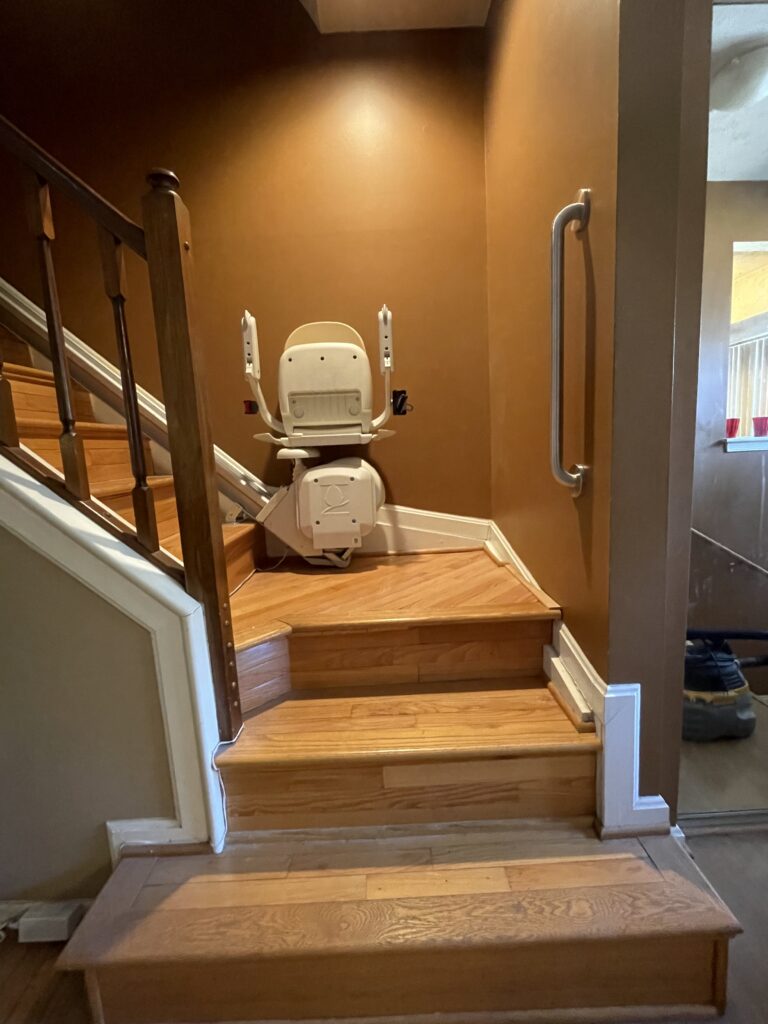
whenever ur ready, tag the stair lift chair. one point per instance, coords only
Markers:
(325, 393)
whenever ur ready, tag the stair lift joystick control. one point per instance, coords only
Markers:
(325, 392)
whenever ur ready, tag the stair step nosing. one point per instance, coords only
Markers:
(229, 761)
(705, 919)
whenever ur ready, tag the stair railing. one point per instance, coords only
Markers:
(165, 242)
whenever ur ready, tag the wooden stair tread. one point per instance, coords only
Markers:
(453, 726)
(36, 426)
(385, 592)
(413, 893)
(232, 532)
(17, 371)
(120, 487)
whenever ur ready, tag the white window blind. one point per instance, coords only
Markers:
(748, 382)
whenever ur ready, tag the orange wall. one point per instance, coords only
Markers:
(324, 176)
(551, 128)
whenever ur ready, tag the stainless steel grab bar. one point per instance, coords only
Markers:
(576, 214)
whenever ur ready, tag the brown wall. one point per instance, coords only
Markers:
(324, 176)
(551, 128)
(572, 102)
(729, 495)
(81, 732)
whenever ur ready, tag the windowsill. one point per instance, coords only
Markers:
(746, 444)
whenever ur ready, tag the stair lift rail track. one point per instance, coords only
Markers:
(577, 215)
(165, 243)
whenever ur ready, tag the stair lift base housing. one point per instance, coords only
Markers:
(325, 394)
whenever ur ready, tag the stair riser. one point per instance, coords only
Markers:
(107, 459)
(552, 786)
(679, 970)
(417, 654)
(165, 510)
(38, 400)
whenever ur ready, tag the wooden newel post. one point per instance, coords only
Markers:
(169, 256)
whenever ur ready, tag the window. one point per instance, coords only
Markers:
(747, 405)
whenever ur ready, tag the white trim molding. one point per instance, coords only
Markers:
(622, 811)
(174, 620)
(403, 530)
(746, 444)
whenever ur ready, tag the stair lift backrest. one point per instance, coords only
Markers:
(324, 382)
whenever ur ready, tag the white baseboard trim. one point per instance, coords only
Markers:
(141, 591)
(402, 530)
(153, 832)
(622, 811)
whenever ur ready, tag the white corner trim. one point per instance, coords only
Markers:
(147, 832)
(175, 622)
(621, 809)
(499, 547)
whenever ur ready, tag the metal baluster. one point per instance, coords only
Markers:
(70, 442)
(113, 269)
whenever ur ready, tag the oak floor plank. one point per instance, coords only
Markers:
(447, 726)
(385, 590)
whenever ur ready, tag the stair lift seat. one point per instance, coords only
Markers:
(325, 386)
(325, 392)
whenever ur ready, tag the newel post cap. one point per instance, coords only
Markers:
(163, 179)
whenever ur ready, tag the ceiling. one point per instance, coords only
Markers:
(738, 139)
(390, 15)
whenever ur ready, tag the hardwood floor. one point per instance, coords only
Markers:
(737, 865)
(32, 991)
(403, 924)
(727, 775)
(385, 590)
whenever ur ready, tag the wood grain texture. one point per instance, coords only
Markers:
(417, 654)
(33, 992)
(345, 929)
(265, 673)
(169, 258)
(385, 590)
(106, 458)
(352, 795)
(367, 760)
(386, 729)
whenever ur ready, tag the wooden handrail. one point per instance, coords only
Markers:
(48, 167)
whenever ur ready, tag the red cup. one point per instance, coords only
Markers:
(760, 425)
(732, 426)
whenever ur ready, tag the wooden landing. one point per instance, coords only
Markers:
(429, 757)
(393, 590)
(482, 921)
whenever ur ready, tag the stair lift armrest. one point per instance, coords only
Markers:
(386, 364)
(252, 366)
